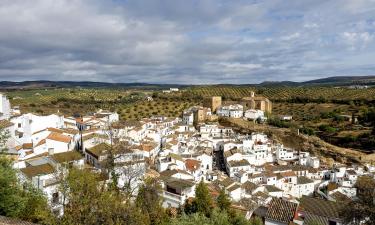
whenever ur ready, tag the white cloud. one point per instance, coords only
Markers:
(291, 36)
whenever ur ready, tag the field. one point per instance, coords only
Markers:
(285, 93)
(303, 103)
(130, 104)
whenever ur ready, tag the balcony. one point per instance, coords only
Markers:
(174, 198)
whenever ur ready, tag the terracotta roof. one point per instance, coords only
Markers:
(149, 146)
(27, 145)
(288, 174)
(59, 137)
(33, 171)
(5, 124)
(52, 129)
(340, 197)
(192, 164)
(320, 207)
(281, 211)
(67, 156)
(42, 142)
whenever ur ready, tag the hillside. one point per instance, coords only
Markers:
(329, 81)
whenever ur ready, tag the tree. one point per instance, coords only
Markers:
(91, 202)
(21, 201)
(362, 209)
(203, 201)
(149, 201)
(11, 200)
(4, 135)
(223, 201)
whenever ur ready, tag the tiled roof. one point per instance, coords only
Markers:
(59, 137)
(249, 187)
(27, 146)
(320, 207)
(304, 180)
(42, 142)
(33, 171)
(238, 163)
(288, 174)
(233, 187)
(340, 197)
(272, 188)
(231, 152)
(67, 156)
(192, 164)
(99, 149)
(281, 211)
(179, 183)
(149, 146)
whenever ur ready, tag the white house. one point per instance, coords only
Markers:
(234, 166)
(233, 111)
(254, 114)
(285, 153)
(28, 124)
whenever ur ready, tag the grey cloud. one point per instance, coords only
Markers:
(175, 41)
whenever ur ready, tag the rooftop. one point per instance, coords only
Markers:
(59, 137)
(33, 171)
(320, 207)
(67, 156)
(99, 149)
(281, 211)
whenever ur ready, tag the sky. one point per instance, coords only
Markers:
(186, 41)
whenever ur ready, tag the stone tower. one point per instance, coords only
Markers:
(212, 102)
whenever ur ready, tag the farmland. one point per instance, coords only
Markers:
(303, 103)
(285, 93)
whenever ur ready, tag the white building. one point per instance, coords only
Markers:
(254, 114)
(233, 111)
(28, 124)
(285, 154)
(5, 109)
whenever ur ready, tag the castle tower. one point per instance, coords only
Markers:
(212, 102)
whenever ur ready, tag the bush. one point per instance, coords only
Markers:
(327, 128)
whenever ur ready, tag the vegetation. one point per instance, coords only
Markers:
(21, 201)
(362, 209)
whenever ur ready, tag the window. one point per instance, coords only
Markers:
(55, 197)
(330, 222)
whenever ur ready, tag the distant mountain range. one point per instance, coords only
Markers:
(329, 81)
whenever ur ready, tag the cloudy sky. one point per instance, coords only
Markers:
(186, 41)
